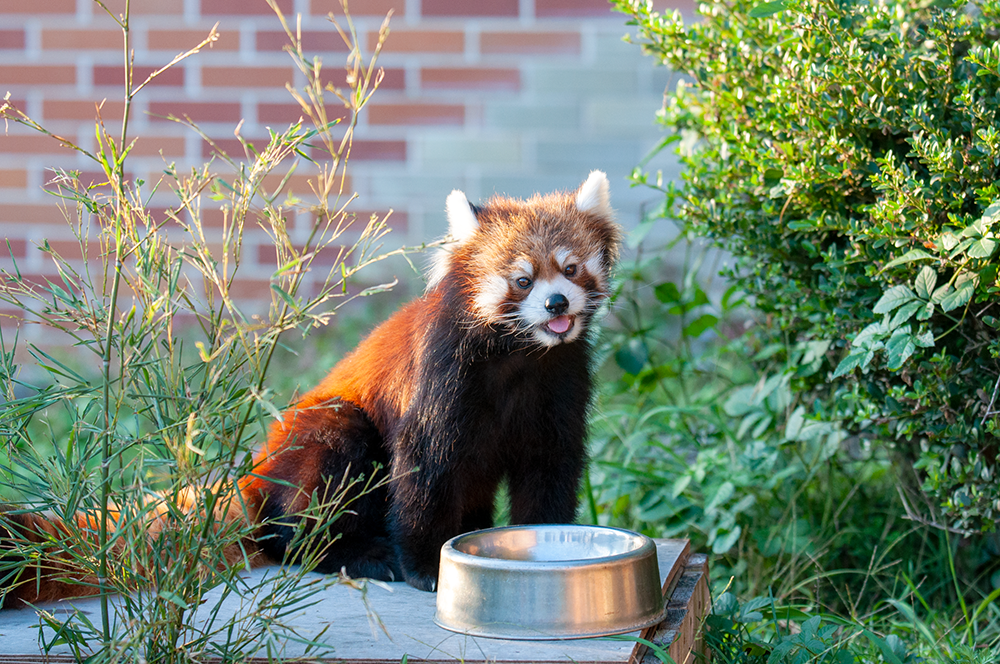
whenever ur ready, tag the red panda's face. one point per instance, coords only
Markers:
(539, 269)
(548, 297)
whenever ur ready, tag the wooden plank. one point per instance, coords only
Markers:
(406, 613)
(689, 601)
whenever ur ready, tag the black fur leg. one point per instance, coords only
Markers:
(545, 492)
(373, 559)
(340, 462)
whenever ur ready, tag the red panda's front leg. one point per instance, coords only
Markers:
(425, 505)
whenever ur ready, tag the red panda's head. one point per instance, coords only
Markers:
(537, 268)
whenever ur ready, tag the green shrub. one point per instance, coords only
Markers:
(847, 154)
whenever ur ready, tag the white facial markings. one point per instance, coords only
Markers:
(563, 257)
(490, 294)
(595, 268)
(535, 315)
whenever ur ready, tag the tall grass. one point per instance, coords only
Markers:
(143, 471)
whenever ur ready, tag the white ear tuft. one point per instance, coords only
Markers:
(594, 195)
(462, 222)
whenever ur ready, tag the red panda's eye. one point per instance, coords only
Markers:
(570, 270)
(523, 282)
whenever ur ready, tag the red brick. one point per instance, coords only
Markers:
(359, 8)
(179, 41)
(378, 150)
(420, 41)
(11, 40)
(250, 289)
(72, 251)
(312, 40)
(290, 113)
(144, 8)
(13, 247)
(212, 217)
(13, 178)
(33, 144)
(469, 78)
(62, 109)
(367, 150)
(469, 7)
(393, 79)
(37, 75)
(82, 40)
(529, 42)
(246, 77)
(17, 102)
(46, 7)
(150, 146)
(11, 318)
(416, 114)
(198, 111)
(284, 114)
(550, 8)
(31, 214)
(397, 221)
(115, 75)
(328, 256)
(243, 7)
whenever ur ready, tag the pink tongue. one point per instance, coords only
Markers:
(560, 324)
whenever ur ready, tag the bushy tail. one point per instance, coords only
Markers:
(44, 558)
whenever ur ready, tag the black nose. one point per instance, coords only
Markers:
(556, 304)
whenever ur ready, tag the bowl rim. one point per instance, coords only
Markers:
(646, 544)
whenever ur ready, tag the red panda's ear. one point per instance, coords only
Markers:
(462, 225)
(594, 195)
(462, 222)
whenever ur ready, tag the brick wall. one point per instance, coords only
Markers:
(508, 96)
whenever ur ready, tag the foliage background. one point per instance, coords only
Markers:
(839, 457)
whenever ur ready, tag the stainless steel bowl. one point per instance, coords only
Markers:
(548, 582)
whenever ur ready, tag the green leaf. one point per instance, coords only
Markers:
(983, 248)
(740, 401)
(904, 314)
(926, 312)
(925, 282)
(992, 213)
(699, 325)
(958, 298)
(925, 340)
(726, 491)
(899, 348)
(849, 364)
(908, 257)
(892, 298)
(768, 9)
(667, 293)
(173, 598)
(872, 331)
(940, 293)
(727, 540)
(632, 356)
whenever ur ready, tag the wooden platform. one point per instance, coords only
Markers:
(408, 618)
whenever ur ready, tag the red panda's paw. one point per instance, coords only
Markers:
(425, 582)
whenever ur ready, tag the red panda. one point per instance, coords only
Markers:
(486, 378)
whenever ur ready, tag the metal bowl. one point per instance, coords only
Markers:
(548, 582)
